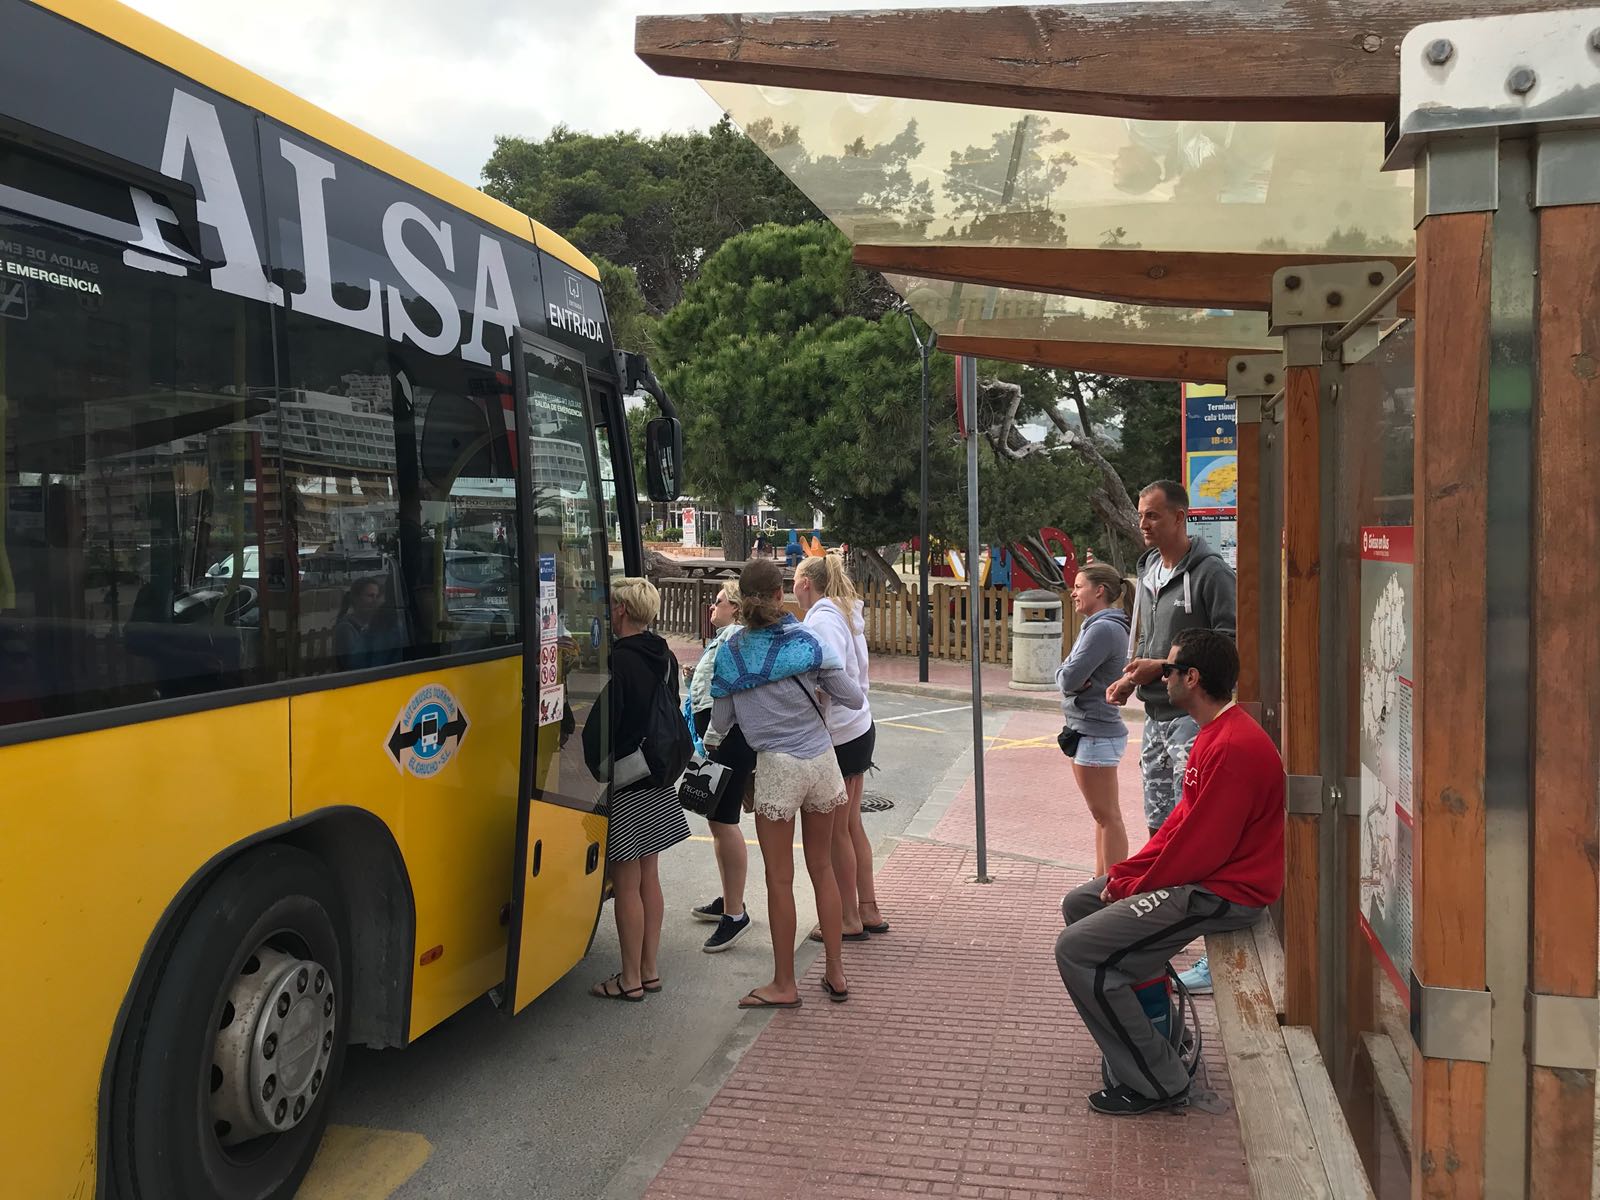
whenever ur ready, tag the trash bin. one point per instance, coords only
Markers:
(1035, 641)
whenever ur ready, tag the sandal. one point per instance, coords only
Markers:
(651, 985)
(880, 927)
(602, 990)
(864, 935)
(837, 995)
(754, 1001)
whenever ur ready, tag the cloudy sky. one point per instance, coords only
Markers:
(441, 79)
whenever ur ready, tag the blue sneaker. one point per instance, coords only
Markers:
(708, 912)
(1197, 978)
(727, 932)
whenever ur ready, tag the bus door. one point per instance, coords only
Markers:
(561, 822)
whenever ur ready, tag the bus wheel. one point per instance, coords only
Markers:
(235, 1069)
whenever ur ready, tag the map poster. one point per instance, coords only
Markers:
(1210, 449)
(551, 692)
(1220, 533)
(1386, 797)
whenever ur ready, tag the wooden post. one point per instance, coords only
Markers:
(1566, 682)
(1451, 487)
(1302, 712)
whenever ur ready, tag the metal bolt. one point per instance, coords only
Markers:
(1372, 43)
(1242, 367)
(1441, 51)
(1335, 299)
(316, 1083)
(321, 979)
(1594, 41)
(302, 979)
(283, 1005)
(327, 1006)
(1521, 81)
(1271, 379)
(279, 1113)
(327, 1041)
(1291, 283)
(270, 1046)
(270, 1086)
(1375, 278)
(299, 1107)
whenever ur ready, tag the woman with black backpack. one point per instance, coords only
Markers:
(645, 816)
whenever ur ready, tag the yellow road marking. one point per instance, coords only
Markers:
(918, 728)
(700, 837)
(363, 1164)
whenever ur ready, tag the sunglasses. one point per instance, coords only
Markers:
(1167, 668)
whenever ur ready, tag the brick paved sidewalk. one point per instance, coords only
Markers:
(1031, 804)
(958, 1067)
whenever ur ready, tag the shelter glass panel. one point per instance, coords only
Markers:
(895, 170)
(1376, 438)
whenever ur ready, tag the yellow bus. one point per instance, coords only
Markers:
(315, 475)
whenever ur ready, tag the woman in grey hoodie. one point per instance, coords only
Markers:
(1097, 660)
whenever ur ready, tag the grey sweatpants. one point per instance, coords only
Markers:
(1107, 948)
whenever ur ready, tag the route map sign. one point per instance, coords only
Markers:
(1386, 777)
(1211, 466)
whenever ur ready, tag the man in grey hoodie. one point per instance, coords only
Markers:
(1181, 584)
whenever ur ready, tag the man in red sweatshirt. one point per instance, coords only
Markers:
(1213, 866)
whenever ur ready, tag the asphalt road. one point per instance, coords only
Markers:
(578, 1097)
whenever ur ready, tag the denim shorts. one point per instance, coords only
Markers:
(1100, 751)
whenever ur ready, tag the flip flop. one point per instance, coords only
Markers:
(864, 935)
(754, 1001)
(880, 927)
(602, 991)
(651, 985)
(837, 995)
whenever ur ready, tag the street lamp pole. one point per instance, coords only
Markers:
(924, 606)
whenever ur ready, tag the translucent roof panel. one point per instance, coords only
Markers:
(978, 310)
(888, 170)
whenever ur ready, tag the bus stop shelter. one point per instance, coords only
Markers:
(1377, 225)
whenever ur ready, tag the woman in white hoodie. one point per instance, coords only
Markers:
(832, 613)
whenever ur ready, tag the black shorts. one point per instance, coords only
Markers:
(855, 756)
(734, 752)
(702, 722)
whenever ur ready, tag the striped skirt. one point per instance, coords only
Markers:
(644, 821)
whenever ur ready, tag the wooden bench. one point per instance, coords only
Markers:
(1296, 1140)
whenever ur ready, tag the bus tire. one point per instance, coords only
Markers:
(240, 1048)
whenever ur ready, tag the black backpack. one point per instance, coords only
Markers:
(667, 744)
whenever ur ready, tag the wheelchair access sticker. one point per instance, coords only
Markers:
(427, 733)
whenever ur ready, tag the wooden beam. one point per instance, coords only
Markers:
(1449, 602)
(1177, 278)
(1238, 60)
(1302, 683)
(1565, 681)
(1130, 360)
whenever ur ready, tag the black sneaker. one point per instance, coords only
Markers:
(728, 932)
(708, 912)
(1125, 1102)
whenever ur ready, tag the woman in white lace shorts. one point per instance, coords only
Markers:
(775, 681)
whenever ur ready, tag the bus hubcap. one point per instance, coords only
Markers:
(273, 1046)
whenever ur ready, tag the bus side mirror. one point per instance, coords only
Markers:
(663, 458)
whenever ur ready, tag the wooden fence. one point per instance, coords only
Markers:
(891, 618)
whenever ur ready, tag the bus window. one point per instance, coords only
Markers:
(137, 440)
(403, 476)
